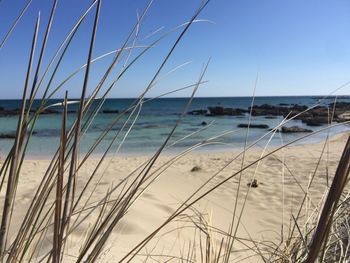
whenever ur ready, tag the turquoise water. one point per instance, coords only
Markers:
(156, 120)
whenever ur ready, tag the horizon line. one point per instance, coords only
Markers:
(200, 97)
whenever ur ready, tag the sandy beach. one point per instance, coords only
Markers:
(281, 188)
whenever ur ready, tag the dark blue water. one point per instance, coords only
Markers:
(165, 106)
(155, 121)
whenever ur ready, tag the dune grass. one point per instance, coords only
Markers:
(63, 200)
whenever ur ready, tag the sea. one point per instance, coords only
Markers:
(147, 129)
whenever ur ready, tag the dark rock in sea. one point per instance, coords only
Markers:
(340, 105)
(153, 126)
(316, 121)
(198, 112)
(204, 123)
(47, 133)
(189, 129)
(196, 169)
(5, 113)
(15, 112)
(7, 136)
(258, 126)
(49, 111)
(221, 111)
(110, 111)
(253, 184)
(345, 116)
(294, 129)
(272, 110)
(270, 117)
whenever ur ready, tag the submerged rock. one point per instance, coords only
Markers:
(110, 111)
(47, 111)
(198, 112)
(7, 136)
(294, 129)
(258, 126)
(204, 123)
(270, 117)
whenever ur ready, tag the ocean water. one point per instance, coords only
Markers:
(157, 118)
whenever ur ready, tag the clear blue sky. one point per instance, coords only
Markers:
(298, 47)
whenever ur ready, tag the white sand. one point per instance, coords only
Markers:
(266, 208)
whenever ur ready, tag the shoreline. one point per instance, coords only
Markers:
(199, 151)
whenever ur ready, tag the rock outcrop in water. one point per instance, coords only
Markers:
(314, 116)
(294, 129)
(272, 110)
(109, 111)
(198, 112)
(252, 125)
(7, 136)
(221, 111)
(15, 112)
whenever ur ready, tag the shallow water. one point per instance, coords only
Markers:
(156, 120)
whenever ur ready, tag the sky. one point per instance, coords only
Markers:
(291, 47)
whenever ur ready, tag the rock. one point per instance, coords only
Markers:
(198, 112)
(196, 169)
(272, 110)
(7, 136)
(110, 111)
(15, 112)
(258, 126)
(221, 111)
(266, 109)
(48, 111)
(270, 117)
(315, 121)
(253, 184)
(340, 105)
(345, 116)
(294, 129)
(4, 113)
(204, 123)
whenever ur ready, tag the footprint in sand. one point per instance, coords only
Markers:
(129, 228)
(165, 208)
